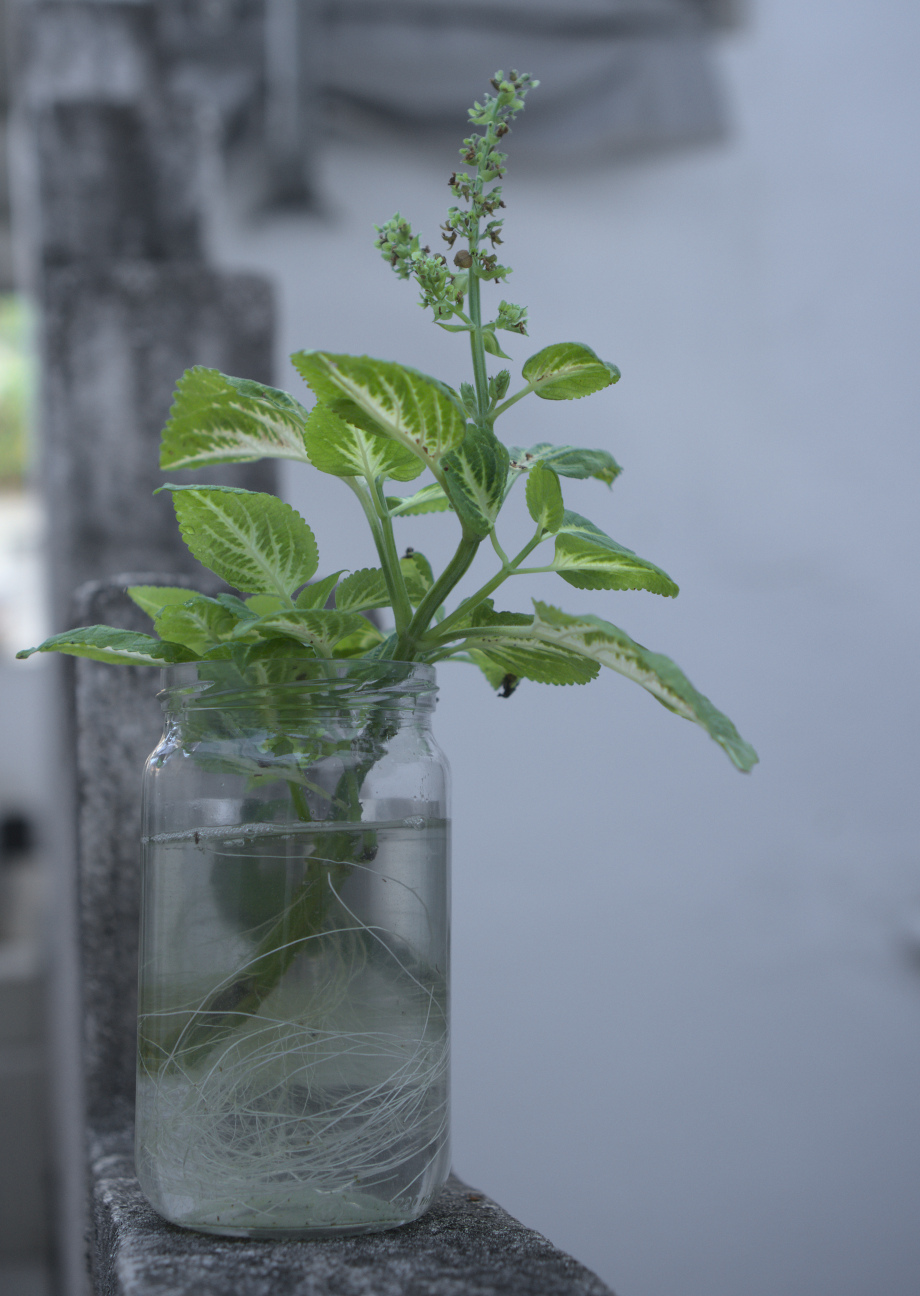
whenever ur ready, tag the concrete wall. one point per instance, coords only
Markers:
(687, 1002)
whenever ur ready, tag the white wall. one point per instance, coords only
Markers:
(687, 1002)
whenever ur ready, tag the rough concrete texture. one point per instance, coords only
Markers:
(466, 1245)
(116, 339)
(110, 104)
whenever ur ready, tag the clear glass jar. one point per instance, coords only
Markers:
(293, 1032)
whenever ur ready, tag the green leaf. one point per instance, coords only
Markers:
(544, 498)
(414, 410)
(568, 371)
(476, 474)
(417, 568)
(609, 646)
(338, 445)
(152, 598)
(253, 541)
(367, 588)
(542, 662)
(321, 630)
(270, 661)
(491, 344)
(589, 559)
(495, 674)
(430, 499)
(567, 461)
(215, 419)
(200, 623)
(360, 642)
(240, 609)
(317, 594)
(118, 647)
(484, 614)
(260, 605)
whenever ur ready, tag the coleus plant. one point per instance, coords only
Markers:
(376, 422)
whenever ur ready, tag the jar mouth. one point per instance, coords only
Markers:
(222, 684)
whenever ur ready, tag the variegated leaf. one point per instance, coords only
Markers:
(544, 498)
(602, 642)
(476, 473)
(321, 630)
(414, 410)
(153, 598)
(117, 647)
(336, 444)
(367, 589)
(567, 461)
(568, 371)
(253, 541)
(589, 559)
(317, 594)
(200, 623)
(216, 419)
(544, 663)
(430, 499)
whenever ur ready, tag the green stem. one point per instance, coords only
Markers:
(389, 561)
(452, 573)
(480, 374)
(180, 1044)
(392, 571)
(508, 569)
(299, 802)
(498, 549)
(462, 315)
(512, 400)
(370, 511)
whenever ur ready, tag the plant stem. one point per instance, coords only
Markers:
(498, 549)
(480, 375)
(299, 802)
(392, 571)
(512, 400)
(184, 1043)
(452, 573)
(389, 562)
(507, 569)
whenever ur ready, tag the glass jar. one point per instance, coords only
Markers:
(293, 1029)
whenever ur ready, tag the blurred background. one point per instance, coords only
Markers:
(686, 1001)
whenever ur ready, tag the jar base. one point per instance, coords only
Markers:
(327, 1216)
(321, 1233)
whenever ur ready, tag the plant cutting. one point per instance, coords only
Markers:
(292, 1043)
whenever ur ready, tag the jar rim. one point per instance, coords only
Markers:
(223, 681)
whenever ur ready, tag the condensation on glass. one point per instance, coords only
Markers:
(293, 1032)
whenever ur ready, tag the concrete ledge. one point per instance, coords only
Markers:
(465, 1246)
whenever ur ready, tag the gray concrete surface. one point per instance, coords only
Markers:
(465, 1245)
(108, 195)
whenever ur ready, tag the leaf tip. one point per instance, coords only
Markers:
(743, 756)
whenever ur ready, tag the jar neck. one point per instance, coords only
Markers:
(295, 693)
